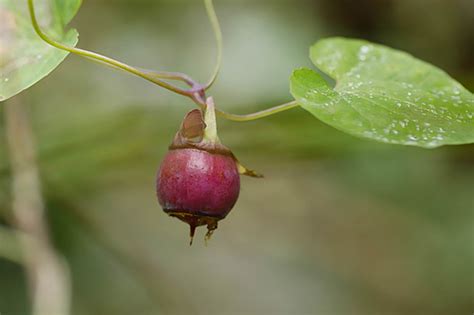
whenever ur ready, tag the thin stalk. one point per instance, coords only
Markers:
(211, 12)
(195, 93)
(46, 271)
(154, 78)
(178, 76)
(259, 114)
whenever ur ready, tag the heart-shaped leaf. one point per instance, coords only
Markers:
(24, 57)
(385, 95)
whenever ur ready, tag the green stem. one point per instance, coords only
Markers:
(210, 132)
(178, 76)
(196, 93)
(154, 78)
(211, 12)
(259, 114)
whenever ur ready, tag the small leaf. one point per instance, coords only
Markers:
(385, 95)
(24, 57)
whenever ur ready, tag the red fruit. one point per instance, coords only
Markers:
(198, 181)
(197, 186)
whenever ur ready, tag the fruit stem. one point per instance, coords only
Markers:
(210, 132)
(211, 13)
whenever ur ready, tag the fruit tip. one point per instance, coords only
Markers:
(192, 230)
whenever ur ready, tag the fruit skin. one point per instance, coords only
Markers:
(198, 186)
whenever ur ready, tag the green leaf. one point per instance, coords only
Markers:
(24, 57)
(385, 95)
(66, 10)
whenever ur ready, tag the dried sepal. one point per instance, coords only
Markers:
(246, 171)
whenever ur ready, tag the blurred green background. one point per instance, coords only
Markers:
(339, 225)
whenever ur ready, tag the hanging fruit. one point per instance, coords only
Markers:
(199, 179)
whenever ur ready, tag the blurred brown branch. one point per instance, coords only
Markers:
(47, 273)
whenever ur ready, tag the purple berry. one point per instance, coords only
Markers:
(198, 181)
(198, 187)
